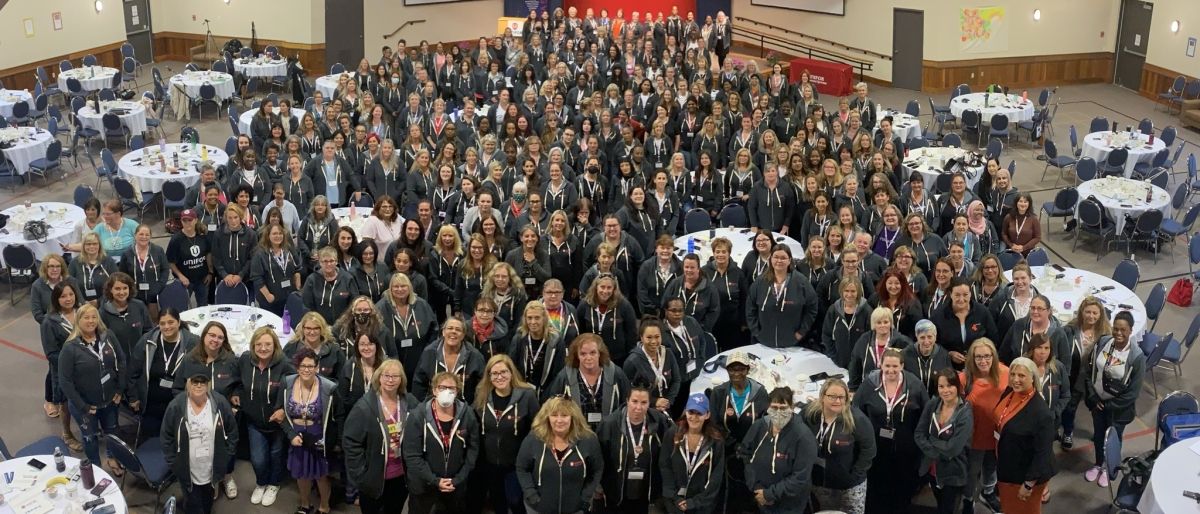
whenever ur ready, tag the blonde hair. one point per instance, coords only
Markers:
(79, 313)
(92, 237)
(62, 265)
(971, 370)
(386, 365)
(267, 331)
(514, 281)
(449, 229)
(814, 410)
(560, 405)
(400, 277)
(298, 335)
(483, 391)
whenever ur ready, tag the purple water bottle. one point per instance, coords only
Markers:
(287, 322)
(87, 474)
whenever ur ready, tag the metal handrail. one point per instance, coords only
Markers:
(815, 38)
(787, 45)
(401, 27)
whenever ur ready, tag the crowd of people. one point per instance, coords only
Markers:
(513, 328)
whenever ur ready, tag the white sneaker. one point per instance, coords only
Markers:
(257, 496)
(230, 488)
(268, 498)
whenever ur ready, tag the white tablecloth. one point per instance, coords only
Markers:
(343, 216)
(31, 145)
(62, 218)
(142, 168)
(237, 321)
(191, 81)
(28, 483)
(134, 119)
(1064, 290)
(248, 117)
(266, 68)
(1012, 105)
(931, 161)
(1174, 472)
(10, 97)
(328, 84)
(904, 126)
(1121, 196)
(742, 240)
(102, 79)
(1097, 146)
(790, 367)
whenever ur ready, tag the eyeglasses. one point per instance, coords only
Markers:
(548, 292)
(835, 397)
(984, 357)
(312, 329)
(389, 377)
(308, 366)
(501, 373)
(446, 388)
(484, 311)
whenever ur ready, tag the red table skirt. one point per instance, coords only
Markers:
(831, 78)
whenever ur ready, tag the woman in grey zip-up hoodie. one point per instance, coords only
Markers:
(260, 398)
(781, 306)
(213, 355)
(943, 438)
(153, 364)
(275, 269)
(372, 436)
(408, 320)
(845, 322)
(177, 439)
(147, 263)
(328, 291)
(233, 246)
(598, 396)
(93, 377)
(560, 465)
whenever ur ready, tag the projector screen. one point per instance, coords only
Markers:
(837, 7)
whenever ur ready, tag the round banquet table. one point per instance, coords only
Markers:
(1098, 145)
(1017, 110)
(142, 169)
(1066, 289)
(261, 67)
(742, 240)
(190, 82)
(247, 117)
(328, 85)
(134, 117)
(62, 218)
(904, 126)
(1174, 472)
(11, 97)
(930, 162)
(774, 367)
(24, 493)
(103, 78)
(1121, 196)
(239, 321)
(344, 220)
(31, 145)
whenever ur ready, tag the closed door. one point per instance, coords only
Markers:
(137, 29)
(1132, 42)
(344, 33)
(908, 49)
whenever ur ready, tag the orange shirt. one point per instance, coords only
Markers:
(983, 398)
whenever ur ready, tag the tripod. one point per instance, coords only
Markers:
(210, 44)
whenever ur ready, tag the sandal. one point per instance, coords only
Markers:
(1046, 496)
(115, 468)
(51, 409)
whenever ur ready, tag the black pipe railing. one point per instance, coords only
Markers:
(800, 49)
(821, 40)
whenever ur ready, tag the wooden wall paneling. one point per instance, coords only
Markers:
(1157, 80)
(1022, 72)
(25, 76)
(177, 46)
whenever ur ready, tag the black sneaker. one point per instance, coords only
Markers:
(992, 501)
(1067, 442)
(968, 506)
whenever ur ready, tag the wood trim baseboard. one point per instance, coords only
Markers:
(24, 76)
(1156, 79)
(245, 39)
(176, 46)
(1020, 72)
(1016, 60)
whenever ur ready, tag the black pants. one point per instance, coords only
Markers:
(949, 498)
(198, 499)
(496, 487)
(629, 507)
(395, 492)
(442, 503)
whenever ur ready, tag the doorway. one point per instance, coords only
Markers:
(344, 33)
(1132, 42)
(908, 48)
(137, 29)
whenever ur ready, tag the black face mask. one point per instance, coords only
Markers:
(361, 318)
(593, 169)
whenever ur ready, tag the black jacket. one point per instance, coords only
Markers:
(775, 323)
(426, 457)
(554, 487)
(330, 356)
(151, 278)
(410, 334)
(843, 456)
(702, 303)
(329, 298)
(780, 465)
(840, 332)
(503, 430)
(469, 367)
(140, 363)
(365, 442)
(979, 323)
(223, 373)
(617, 446)
(550, 351)
(232, 252)
(260, 391)
(945, 447)
(617, 327)
(640, 370)
(126, 327)
(862, 358)
(1025, 450)
(925, 368)
(901, 420)
(700, 482)
(614, 389)
(176, 441)
(736, 424)
(90, 382)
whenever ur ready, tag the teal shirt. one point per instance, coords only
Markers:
(115, 242)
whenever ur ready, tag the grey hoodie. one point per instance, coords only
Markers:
(945, 446)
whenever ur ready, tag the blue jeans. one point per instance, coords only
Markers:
(91, 425)
(1101, 421)
(267, 454)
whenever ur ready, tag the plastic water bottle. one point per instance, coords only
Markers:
(204, 153)
(1149, 193)
(287, 322)
(691, 245)
(60, 463)
(87, 474)
(162, 145)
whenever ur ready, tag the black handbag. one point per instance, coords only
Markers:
(36, 230)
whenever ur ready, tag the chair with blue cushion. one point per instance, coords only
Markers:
(917, 142)
(1038, 257)
(1174, 403)
(148, 462)
(8, 172)
(174, 196)
(40, 105)
(1155, 303)
(233, 126)
(219, 66)
(1175, 94)
(1142, 170)
(43, 446)
(113, 128)
(952, 140)
(1155, 356)
(89, 60)
(42, 167)
(1174, 229)
(1114, 165)
(999, 127)
(1158, 177)
(1062, 162)
(1099, 124)
(733, 215)
(48, 88)
(971, 123)
(1145, 230)
(208, 94)
(364, 201)
(295, 308)
(65, 65)
(231, 146)
(136, 143)
(1085, 170)
(1127, 273)
(696, 220)
(106, 95)
(21, 265)
(129, 198)
(1112, 460)
(129, 71)
(1091, 220)
(337, 68)
(83, 193)
(20, 114)
(246, 52)
(1176, 353)
(174, 295)
(236, 295)
(1168, 135)
(994, 149)
(1063, 205)
(1008, 259)
(1146, 126)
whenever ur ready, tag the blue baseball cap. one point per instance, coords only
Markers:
(698, 402)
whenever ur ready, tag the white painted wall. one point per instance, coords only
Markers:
(444, 22)
(1167, 49)
(83, 28)
(294, 21)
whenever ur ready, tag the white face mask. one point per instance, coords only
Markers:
(445, 398)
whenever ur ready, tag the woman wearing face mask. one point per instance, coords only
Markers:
(926, 357)
(560, 463)
(93, 376)
(984, 378)
(153, 367)
(372, 437)
(846, 320)
(845, 449)
(55, 330)
(451, 354)
(778, 454)
(506, 406)
(275, 268)
(309, 403)
(361, 319)
(942, 434)
(652, 364)
(313, 333)
(1080, 335)
(1024, 441)
(438, 469)
(146, 262)
(1113, 373)
(893, 400)
(124, 316)
(693, 460)
(781, 306)
(871, 347)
